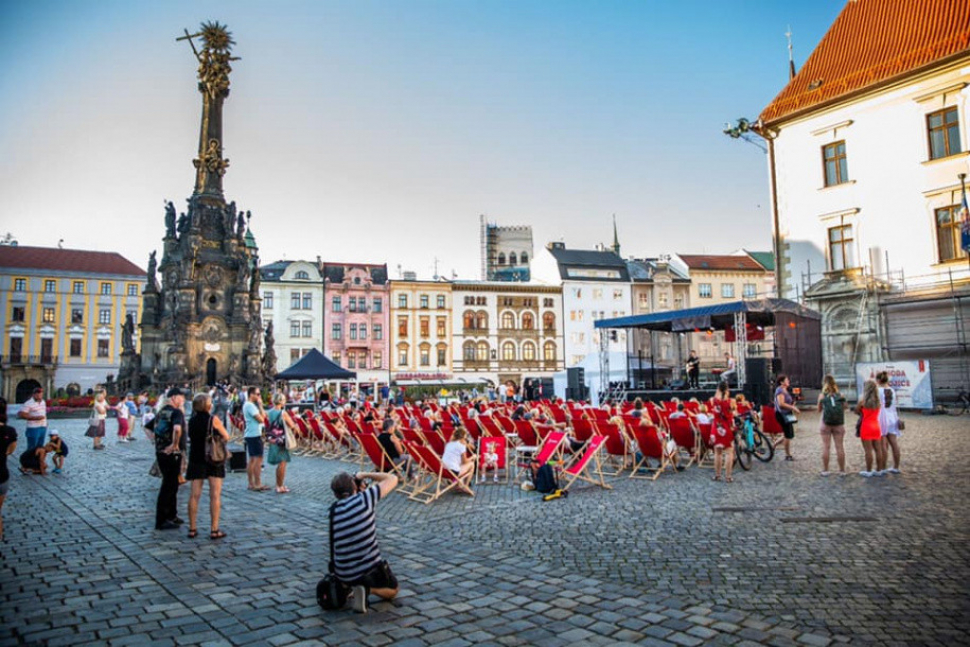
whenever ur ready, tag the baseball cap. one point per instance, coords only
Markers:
(174, 391)
(54, 432)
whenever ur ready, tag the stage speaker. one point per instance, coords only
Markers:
(544, 388)
(237, 459)
(776, 367)
(575, 377)
(756, 370)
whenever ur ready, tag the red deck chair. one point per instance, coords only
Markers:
(375, 452)
(551, 449)
(497, 447)
(651, 446)
(413, 436)
(558, 415)
(434, 441)
(319, 444)
(580, 470)
(615, 448)
(473, 428)
(302, 435)
(583, 429)
(434, 478)
(526, 433)
(686, 437)
(489, 426)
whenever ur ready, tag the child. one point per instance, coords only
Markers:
(490, 458)
(57, 448)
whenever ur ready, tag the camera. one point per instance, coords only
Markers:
(359, 482)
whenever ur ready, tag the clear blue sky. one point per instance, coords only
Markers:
(379, 131)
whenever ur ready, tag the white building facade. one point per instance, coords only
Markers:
(292, 293)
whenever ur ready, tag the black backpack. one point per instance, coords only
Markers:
(833, 412)
(545, 480)
(331, 592)
(163, 427)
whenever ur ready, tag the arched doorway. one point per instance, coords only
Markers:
(210, 371)
(25, 389)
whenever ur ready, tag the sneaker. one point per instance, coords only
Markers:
(823, 473)
(56, 470)
(360, 599)
(168, 525)
(495, 479)
(843, 474)
(789, 458)
(865, 474)
(894, 470)
(879, 473)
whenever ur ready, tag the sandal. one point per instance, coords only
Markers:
(283, 490)
(193, 533)
(716, 478)
(262, 488)
(216, 534)
(729, 480)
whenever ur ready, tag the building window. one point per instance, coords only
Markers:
(20, 285)
(440, 301)
(943, 130)
(481, 321)
(336, 358)
(267, 299)
(841, 248)
(105, 288)
(468, 320)
(442, 356)
(508, 320)
(528, 321)
(524, 259)
(425, 356)
(425, 327)
(353, 331)
(513, 259)
(301, 275)
(336, 332)
(441, 327)
(104, 316)
(481, 351)
(549, 351)
(50, 286)
(378, 359)
(548, 321)
(17, 313)
(132, 290)
(402, 355)
(727, 290)
(294, 329)
(363, 331)
(704, 290)
(468, 351)
(294, 355)
(362, 360)
(948, 225)
(402, 301)
(501, 258)
(75, 349)
(378, 304)
(617, 294)
(424, 302)
(351, 360)
(308, 301)
(508, 351)
(836, 169)
(335, 305)
(547, 303)
(308, 329)
(597, 293)
(469, 301)
(78, 287)
(578, 293)
(48, 315)
(378, 332)
(103, 347)
(295, 301)
(402, 326)
(749, 290)
(528, 351)
(352, 304)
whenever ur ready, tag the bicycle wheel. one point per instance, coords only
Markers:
(742, 454)
(762, 449)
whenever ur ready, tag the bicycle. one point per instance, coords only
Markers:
(750, 441)
(956, 406)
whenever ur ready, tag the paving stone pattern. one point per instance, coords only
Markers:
(779, 557)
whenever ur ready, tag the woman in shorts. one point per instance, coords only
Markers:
(786, 413)
(888, 420)
(199, 469)
(458, 456)
(831, 404)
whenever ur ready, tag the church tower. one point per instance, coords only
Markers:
(201, 318)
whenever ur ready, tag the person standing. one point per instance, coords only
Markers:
(167, 429)
(121, 412)
(200, 469)
(8, 445)
(888, 421)
(869, 431)
(693, 370)
(99, 413)
(254, 418)
(357, 559)
(34, 411)
(278, 422)
(831, 404)
(786, 413)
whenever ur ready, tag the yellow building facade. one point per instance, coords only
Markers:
(420, 323)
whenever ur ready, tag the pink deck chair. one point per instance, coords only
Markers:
(434, 478)
(587, 467)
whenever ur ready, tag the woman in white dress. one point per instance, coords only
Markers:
(889, 418)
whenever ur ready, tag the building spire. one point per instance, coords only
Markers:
(791, 58)
(616, 238)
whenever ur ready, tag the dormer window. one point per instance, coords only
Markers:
(301, 276)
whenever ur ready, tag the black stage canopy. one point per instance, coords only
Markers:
(760, 312)
(315, 366)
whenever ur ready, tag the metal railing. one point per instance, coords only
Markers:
(28, 359)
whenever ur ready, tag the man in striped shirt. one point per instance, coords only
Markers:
(356, 555)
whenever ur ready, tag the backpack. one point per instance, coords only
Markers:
(331, 592)
(163, 428)
(833, 413)
(545, 480)
(276, 432)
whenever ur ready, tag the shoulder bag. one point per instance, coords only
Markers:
(331, 592)
(215, 447)
(290, 438)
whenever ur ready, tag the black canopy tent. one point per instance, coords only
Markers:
(797, 338)
(315, 366)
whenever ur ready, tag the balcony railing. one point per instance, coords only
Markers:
(19, 359)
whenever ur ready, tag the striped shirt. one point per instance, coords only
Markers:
(355, 550)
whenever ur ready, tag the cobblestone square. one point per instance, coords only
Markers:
(780, 557)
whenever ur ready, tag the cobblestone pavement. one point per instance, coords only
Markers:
(781, 557)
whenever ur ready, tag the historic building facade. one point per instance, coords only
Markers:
(293, 302)
(657, 286)
(64, 313)
(506, 331)
(506, 252)
(356, 315)
(867, 143)
(421, 333)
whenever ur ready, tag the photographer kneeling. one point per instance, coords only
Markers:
(356, 555)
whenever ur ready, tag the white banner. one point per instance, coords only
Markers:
(909, 379)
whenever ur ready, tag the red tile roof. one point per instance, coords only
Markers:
(67, 260)
(873, 42)
(722, 263)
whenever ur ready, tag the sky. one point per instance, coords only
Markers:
(365, 131)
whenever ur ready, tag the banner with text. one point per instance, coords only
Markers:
(909, 379)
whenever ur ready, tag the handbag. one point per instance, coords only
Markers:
(215, 447)
(331, 592)
(902, 425)
(290, 440)
(791, 418)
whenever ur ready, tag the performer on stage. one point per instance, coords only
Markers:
(731, 372)
(693, 370)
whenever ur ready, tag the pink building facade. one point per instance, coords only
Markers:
(356, 304)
